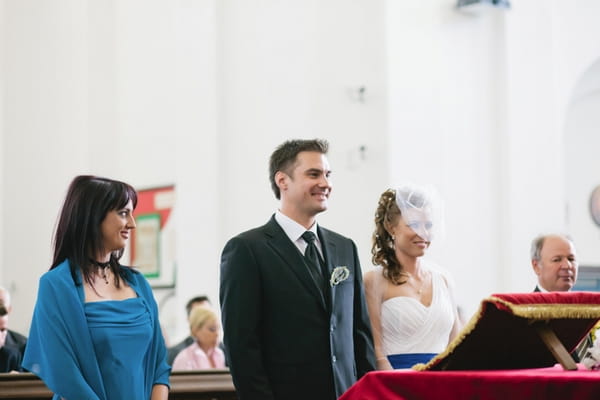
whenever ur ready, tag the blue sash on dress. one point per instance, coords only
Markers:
(400, 361)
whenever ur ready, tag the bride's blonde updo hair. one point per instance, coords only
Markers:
(386, 216)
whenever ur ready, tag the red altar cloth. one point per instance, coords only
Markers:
(502, 334)
(551, 383)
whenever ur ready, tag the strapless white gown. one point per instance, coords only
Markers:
(410, 327)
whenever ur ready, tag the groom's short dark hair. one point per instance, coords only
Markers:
(284, 157)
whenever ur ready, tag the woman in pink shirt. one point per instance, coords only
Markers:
(204, 353)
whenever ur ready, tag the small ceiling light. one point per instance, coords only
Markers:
(495, 3)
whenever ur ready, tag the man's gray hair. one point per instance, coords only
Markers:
(538, 243)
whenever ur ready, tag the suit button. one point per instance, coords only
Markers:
(331, 329)
(333, 359)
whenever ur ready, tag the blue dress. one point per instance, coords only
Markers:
(105, 350)
(121, 332)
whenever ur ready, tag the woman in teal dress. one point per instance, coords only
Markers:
(95, 332)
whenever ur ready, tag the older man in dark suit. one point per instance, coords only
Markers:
(292, 300)
(554, 261)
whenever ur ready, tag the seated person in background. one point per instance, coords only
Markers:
(204, 353)
(192, 303)
(411, 306)
(10, 359)
(554, 261)
(12, 344)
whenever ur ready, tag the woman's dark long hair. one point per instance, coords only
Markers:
(78, 236)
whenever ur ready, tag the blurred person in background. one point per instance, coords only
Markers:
(204, 352)
(202, 301)
(12, 344)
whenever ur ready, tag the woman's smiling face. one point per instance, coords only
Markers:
(116, 226)
(412, 233)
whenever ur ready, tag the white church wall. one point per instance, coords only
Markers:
(199, 93)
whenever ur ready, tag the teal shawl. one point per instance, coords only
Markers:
(60, 349)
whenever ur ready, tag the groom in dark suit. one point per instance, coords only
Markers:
(294, 317)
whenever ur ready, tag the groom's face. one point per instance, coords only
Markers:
(308, 187)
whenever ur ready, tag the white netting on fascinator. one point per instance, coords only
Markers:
(422, 209)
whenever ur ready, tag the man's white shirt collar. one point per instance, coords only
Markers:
(294, 230)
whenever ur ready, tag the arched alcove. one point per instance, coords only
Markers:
(581, 141)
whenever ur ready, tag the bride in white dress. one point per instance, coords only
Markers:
(413, 314)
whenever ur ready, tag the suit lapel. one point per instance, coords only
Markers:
(281, 244)
(330, 254)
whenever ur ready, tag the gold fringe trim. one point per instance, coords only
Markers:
(550, 311)
(542, 311)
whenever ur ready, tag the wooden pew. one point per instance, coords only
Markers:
(202, 385)
(185, 385)
(23, 386)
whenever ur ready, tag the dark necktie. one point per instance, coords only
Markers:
(313, 259)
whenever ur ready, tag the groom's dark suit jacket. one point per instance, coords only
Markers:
(284, 339)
